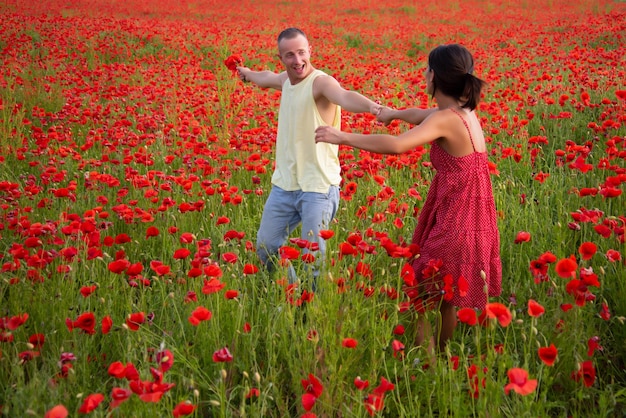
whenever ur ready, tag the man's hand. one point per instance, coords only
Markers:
(242, 73)
(385, 115)
(375, 110)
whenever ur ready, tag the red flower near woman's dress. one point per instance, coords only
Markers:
(500, 312)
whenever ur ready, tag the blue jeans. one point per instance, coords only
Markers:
(283, 212)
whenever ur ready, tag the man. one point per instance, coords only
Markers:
(306, 178)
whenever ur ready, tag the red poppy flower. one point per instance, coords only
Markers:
(500, 312)
(152, 231)
(117, 369)
(300, 242)
(566, 267)
(122, 238)
(119, 395)
(288, 253)
(231, 294)
(86, 322)
(349, 343)
(312, 385)
(399, 330)
(130, 372)
(473, 375)
(308, 400)
(360, 384)
(32, 242)
(14, 322)
(229, 258)
(522, 236)
(37, 340)
(579, 290)
(194, 272)
(467, 316)
(58, 411)
(603, 230)
(106, 324)
(397, 347)
(253, 393)
(213, 270)
(326, 234)
(223, 220)
(520, 382)
(548, 354)
(593, 344)
(535, 309)
(346, 249)
(547, 257)
(374, 403)
(541, 177)
(134, 269)
(384, 386)
(222, 355)
(233, 61)
(27, 355)
(587, 250)
(613, 255)
(232, 235)
(165, 360)
(183, 408)
(586, 372)
(408, 275)
(454, 362)
(198, 315)
(134, 320)
(605, 313)
(250, 269)
(118, 266)
(212, 286)
(307, 258)
(90, 403)
(87, 290)
(181, 253)
(186, 238)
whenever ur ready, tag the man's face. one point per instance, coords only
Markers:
(295, 53)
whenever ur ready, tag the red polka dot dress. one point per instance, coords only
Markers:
(457, 233)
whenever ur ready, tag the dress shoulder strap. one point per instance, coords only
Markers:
(466, 127)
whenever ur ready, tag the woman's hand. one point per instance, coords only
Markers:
(328, 134)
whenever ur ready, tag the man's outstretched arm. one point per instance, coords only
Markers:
(263, 79)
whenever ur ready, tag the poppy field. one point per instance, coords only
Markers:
(134, 166)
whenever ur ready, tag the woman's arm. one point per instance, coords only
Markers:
(432, 128)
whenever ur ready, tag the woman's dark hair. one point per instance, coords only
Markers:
(290, 33)
(453, 66)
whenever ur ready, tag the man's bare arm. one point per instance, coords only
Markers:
(350, 101)
(413, 116)
(263, 79)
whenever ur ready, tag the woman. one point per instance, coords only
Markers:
(459, 263)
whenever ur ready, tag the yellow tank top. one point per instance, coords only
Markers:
(301, 164)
